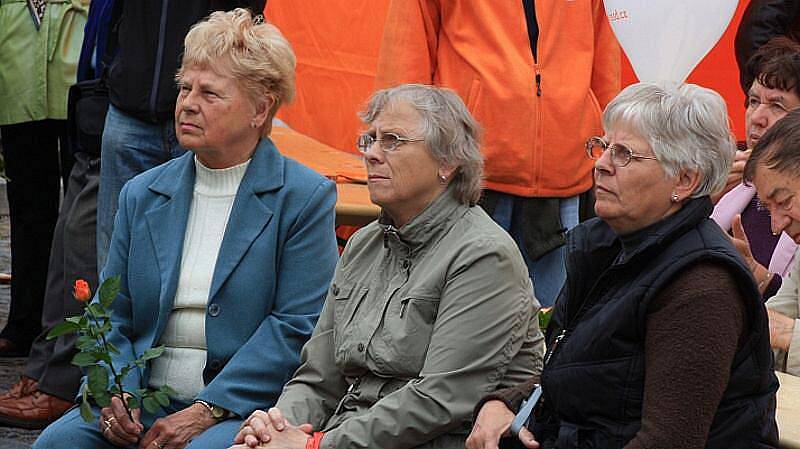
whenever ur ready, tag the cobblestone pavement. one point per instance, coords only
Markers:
(10, 368)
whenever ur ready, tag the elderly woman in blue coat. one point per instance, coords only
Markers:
(225, 253)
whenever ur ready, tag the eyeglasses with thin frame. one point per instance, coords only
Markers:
(620, 154)
(388, 142)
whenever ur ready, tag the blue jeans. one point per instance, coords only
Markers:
(130, 146)
(547, 273)
(71, 431)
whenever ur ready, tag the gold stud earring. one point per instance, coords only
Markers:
(675, 198)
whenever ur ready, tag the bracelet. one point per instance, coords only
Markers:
(315, 440)
(764, 282)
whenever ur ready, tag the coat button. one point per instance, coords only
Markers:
(335, 289)
(215, 364)
(213, 309)
(361, 347)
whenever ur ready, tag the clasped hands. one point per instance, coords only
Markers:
(270, 430)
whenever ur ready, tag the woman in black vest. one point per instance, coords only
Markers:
(659, 338)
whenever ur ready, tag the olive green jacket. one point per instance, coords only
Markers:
(418, 324)
(37, 67)
(787, 302)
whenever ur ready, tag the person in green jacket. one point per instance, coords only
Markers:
(40, 41)
(430, 306)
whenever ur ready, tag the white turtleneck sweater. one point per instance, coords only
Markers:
(181, 365)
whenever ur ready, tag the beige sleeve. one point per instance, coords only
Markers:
(785, 302)
(314, 391)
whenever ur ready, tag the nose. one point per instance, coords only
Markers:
(189, 102)
(761, 116)
(779, 221)
(604, 163)
(374, 154)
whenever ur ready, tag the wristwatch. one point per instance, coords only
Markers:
(216, 411)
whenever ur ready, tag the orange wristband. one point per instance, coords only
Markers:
(315, 440)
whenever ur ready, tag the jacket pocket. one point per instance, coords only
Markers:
(346, 300)
(409, 332)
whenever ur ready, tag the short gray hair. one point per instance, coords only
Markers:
(451, 134)
(686, 125)
(244, 47)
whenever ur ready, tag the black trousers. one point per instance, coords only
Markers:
(73, 255)
(35, 168)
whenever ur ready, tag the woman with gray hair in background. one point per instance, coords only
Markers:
(659, 338)
(224, 254)
(430, 307)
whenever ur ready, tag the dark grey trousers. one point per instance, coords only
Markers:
(73, 255)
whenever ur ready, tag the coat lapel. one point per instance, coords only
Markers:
(250, 213)
(167, 224)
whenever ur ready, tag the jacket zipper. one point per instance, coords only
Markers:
(162, 31)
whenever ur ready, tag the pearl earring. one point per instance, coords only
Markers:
(675, 197)
(442, 179)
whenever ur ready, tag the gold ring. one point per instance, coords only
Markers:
(110, 420)
(107, 427)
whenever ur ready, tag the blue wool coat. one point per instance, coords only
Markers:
(272, 272)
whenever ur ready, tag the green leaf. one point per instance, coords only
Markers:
(162, 398)
(98, 379)
(114, 389)
(67, 327)
(109, 291)
(102, 398)
(85, 342)
(111, 348)
(86, 412)
(74, 319)
(83, 322)
(166, 389)
(133, 402)
(153, 353)
(140, 363)
(84, 359)
(544, 318)
(96, 309)
(150, 404)
(103, 356)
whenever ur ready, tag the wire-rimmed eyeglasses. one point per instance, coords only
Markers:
(620, 154)
(388, 142)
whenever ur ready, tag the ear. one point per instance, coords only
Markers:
(447, 171)
(262, 110)
(686, 183)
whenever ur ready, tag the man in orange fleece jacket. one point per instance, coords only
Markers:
(536, 75)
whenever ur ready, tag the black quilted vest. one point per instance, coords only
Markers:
(593, 380)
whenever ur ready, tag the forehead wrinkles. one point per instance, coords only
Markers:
(397, 115)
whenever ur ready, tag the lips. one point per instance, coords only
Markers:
(377, 177)
(600, 189)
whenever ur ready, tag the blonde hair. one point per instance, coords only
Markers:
(241, 46)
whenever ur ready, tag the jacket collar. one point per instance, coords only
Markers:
(661, 233)
(434, 221)
(266, 160)
(249, 215)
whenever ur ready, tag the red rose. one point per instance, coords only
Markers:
(81, 291)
